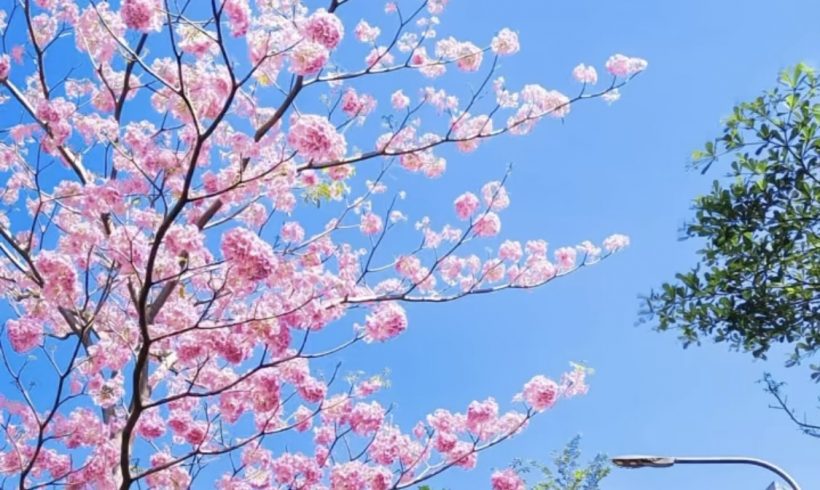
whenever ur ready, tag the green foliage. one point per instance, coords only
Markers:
(568, 473)
(757, 280)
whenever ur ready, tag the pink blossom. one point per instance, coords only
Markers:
(481, 414)
(585, 74)
(106, 392)
(385, 322)
(366, 418)
(5, 67)
(17, 53)
(537, 103)
(44, 28)
(366, 33)
(324, 28)
(540, 393)
(303, 418)
(505, 42)
(292, 232)
(591, 252)
(176, 476)
(399, 100)
(151, 424)
(487, 225)
(194, 40)
(573, 383)
(316, 139)
(546, 102)
(24, 333)
(312, 390)
(368, 387)
(250, 256)
(493, 270)
(308, 57)
(239, 14)
(379, 57)
(370, 224)
(507, 480)
(436, 7)
(356, 105)
(565, 257)
(59, 277)
(624, 66)
(616, 242)
(495, 195)
(510, 250)
(611, 96)
(466, 55)
(466, 205)
(463, 455)
(354, 475)
(470, 130)
(142, 15)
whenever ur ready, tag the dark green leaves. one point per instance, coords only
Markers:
(757, 279)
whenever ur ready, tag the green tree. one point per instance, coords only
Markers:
(567, 473)
(757, 280)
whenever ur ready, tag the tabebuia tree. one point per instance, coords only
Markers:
(196, 214)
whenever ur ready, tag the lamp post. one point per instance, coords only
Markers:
(667, 461)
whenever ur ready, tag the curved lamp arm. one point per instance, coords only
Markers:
(665, 462)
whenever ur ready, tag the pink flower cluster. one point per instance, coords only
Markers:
(624, 66)
(469, 131)
(466, 205)
(142, 15)
(541, 393)
(466, 55)
(56, 115)
(316, 139)
(585, 74)
(537, 102)
(24, 333)
(487, 225)
(356, 475)
(5, 67)
(248, 255)
(399, 100)
(357, 105)
(385, 322)
(505, 43)
(324, 28)
(370, 224)
(59, 277)
(366, 33)
(616, 242)
(507, 480)
(308, 57)
(239, 16)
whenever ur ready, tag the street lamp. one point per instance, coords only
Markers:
(666, 461)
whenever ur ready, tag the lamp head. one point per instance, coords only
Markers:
(634, 461)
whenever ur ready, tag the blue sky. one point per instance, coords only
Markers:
(612, 169)
(606, 169)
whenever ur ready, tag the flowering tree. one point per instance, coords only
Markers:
(166, 268)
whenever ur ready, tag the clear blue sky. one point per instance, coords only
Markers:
(607, 169)
(612, 169)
